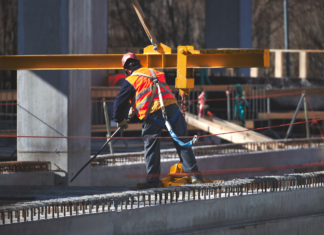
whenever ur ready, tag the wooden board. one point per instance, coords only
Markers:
(131, 127)
(218, 126)
(112, 92)
(249, 124)
(310, 91)
(289, 115)
(8, 96)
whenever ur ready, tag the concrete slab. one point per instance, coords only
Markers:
(27, 179)
(311, 224)
(250, 210)
(50, 192)
(117, 175)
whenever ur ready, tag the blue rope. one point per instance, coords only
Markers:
(186, 145)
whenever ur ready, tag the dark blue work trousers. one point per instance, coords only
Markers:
(152, 146)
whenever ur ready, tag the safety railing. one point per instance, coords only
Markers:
(8, 111)
(258, 97)
(25, 166)
(278, 65)
(247, 103)
(108, 94)
(98, 96)
(210, 151)
(8, 107)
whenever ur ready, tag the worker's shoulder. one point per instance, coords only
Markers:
(134, 77)
(147, 71)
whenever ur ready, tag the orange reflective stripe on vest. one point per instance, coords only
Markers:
(143, 86)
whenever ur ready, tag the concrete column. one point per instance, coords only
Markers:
(57, 103)
(229, 25)
(99, 29)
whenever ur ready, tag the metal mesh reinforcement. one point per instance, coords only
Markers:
(211, 150)
(24, 166)
(129, 200)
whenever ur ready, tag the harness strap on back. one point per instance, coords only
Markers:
(154, 79)
(167, 123)
(162, 123)
(151, 78)
(150, 101)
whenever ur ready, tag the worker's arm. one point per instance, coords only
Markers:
(121, 103)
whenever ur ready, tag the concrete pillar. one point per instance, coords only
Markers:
(229, 25)
(99, 34)
(58, 103)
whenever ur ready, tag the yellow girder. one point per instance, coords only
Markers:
(227, 58)
(185, 60)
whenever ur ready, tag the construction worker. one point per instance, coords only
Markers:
(136, 93)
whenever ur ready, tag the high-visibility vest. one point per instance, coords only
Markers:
(143, 86)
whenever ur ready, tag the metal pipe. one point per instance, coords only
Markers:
(107, 124)
(228, 105)
(296, 112)
(286, 22)
(94, 155)
(306, 117)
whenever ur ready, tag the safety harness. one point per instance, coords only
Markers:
(168, 123)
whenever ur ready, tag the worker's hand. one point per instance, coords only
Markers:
(131, 113)
(123, 125)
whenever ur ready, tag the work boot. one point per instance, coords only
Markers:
(197, 181)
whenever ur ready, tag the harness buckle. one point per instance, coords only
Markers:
(195, 139)
(155, 81)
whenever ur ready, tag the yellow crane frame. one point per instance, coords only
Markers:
(185, 60)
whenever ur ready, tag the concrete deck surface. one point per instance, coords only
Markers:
(50, 192)
(287, 212)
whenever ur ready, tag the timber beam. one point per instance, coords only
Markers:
(290, 115)
(218, 126)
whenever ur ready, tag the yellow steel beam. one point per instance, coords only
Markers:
(226, 58)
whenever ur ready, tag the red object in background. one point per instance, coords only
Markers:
(116, 80)
(201, 100)
(209, 114)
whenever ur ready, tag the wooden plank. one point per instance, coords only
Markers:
(102, 128)
(310, 91)
(218, 126)
(249, 124)
(296, 51)
(205, 88)
(8, 132)
(107, 92)
(278, 64)
(8, 96)
(303, 65)
(289, 115)
(112, 92)
(131, 127)
(254, 72)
